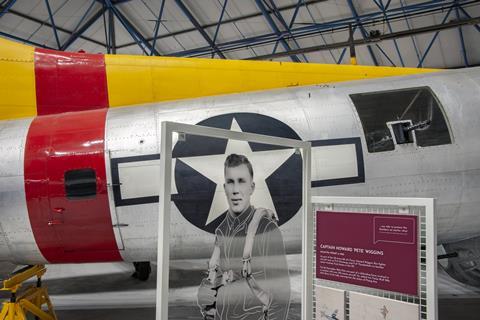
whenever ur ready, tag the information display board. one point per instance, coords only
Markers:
(373, 250)
(380, 252)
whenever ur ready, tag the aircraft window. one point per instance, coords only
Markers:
(80, 184)
(416, 105)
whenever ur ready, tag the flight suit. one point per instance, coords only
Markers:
(237, 297)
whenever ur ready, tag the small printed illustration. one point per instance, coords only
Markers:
(367, 307)
(332, 316)
(330, 303)
(384, 312)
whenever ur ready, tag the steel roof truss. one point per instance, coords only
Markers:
(435, 36)
(111, 32)
(219, 23)
(79, 33)
(323, 38)
(362, 29)
(107, 38)
(383, 7)
(462, 40)
(136, 35)
(52, 21)
(396, 35)
(274, 27)
(7, 7)
(470, 17)
(417, 52)
(157, 25)
(288, 27)
(225, 21)
(396, 13)
(199, 28)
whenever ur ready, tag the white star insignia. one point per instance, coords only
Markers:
(264, 163)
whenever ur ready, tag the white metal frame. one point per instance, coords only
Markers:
(431, 235)
(163, 254)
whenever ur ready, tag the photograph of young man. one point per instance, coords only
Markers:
(248, 272)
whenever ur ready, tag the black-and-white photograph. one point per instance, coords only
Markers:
(246, 262)
(248, 272)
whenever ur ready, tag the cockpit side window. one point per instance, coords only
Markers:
(418, 108)
(80, 184)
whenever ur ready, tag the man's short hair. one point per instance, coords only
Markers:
(235, 160)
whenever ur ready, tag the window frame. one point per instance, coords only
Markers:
(388, 124)
(70, 182)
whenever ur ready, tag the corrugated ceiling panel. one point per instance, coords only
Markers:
(242, 8)
(206, 13)
(170, 45)
(97, 31)
(471, 42)
(28, 6)
(9, 22)
(140, 17)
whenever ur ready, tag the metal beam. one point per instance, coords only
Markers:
(377, 3)
(469, 16)
(33, 43)
(136, 35)
(107, 38)
(288, 27)
(353, 52)
(462, 40)
(386, 56)
(362, 30)
(54, 27)
(111, 32)
(395, 35)
(157, 25)
(341, 56)
(384, 8)
(328, 27)
(275, 29)
(417, 52)
(224, 7)
(80, 22)
(323, 38)
(234, 25)
(163, 24)
(295, 13)
(292, 21)
(78, 34)
(226, 21)
(43, 23)
(114, 1)
(199, 28)
(7, 7)
(425, 54)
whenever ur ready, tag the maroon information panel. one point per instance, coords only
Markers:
(372, 250)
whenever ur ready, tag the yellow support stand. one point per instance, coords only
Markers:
(31, 300)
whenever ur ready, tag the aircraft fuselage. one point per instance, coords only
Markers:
(50, 214)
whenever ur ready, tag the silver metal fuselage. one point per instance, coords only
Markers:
(449, 173)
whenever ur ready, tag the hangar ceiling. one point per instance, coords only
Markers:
(440, 34)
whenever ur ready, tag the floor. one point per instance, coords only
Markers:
(106, 291)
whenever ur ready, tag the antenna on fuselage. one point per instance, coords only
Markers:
(353, 55)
